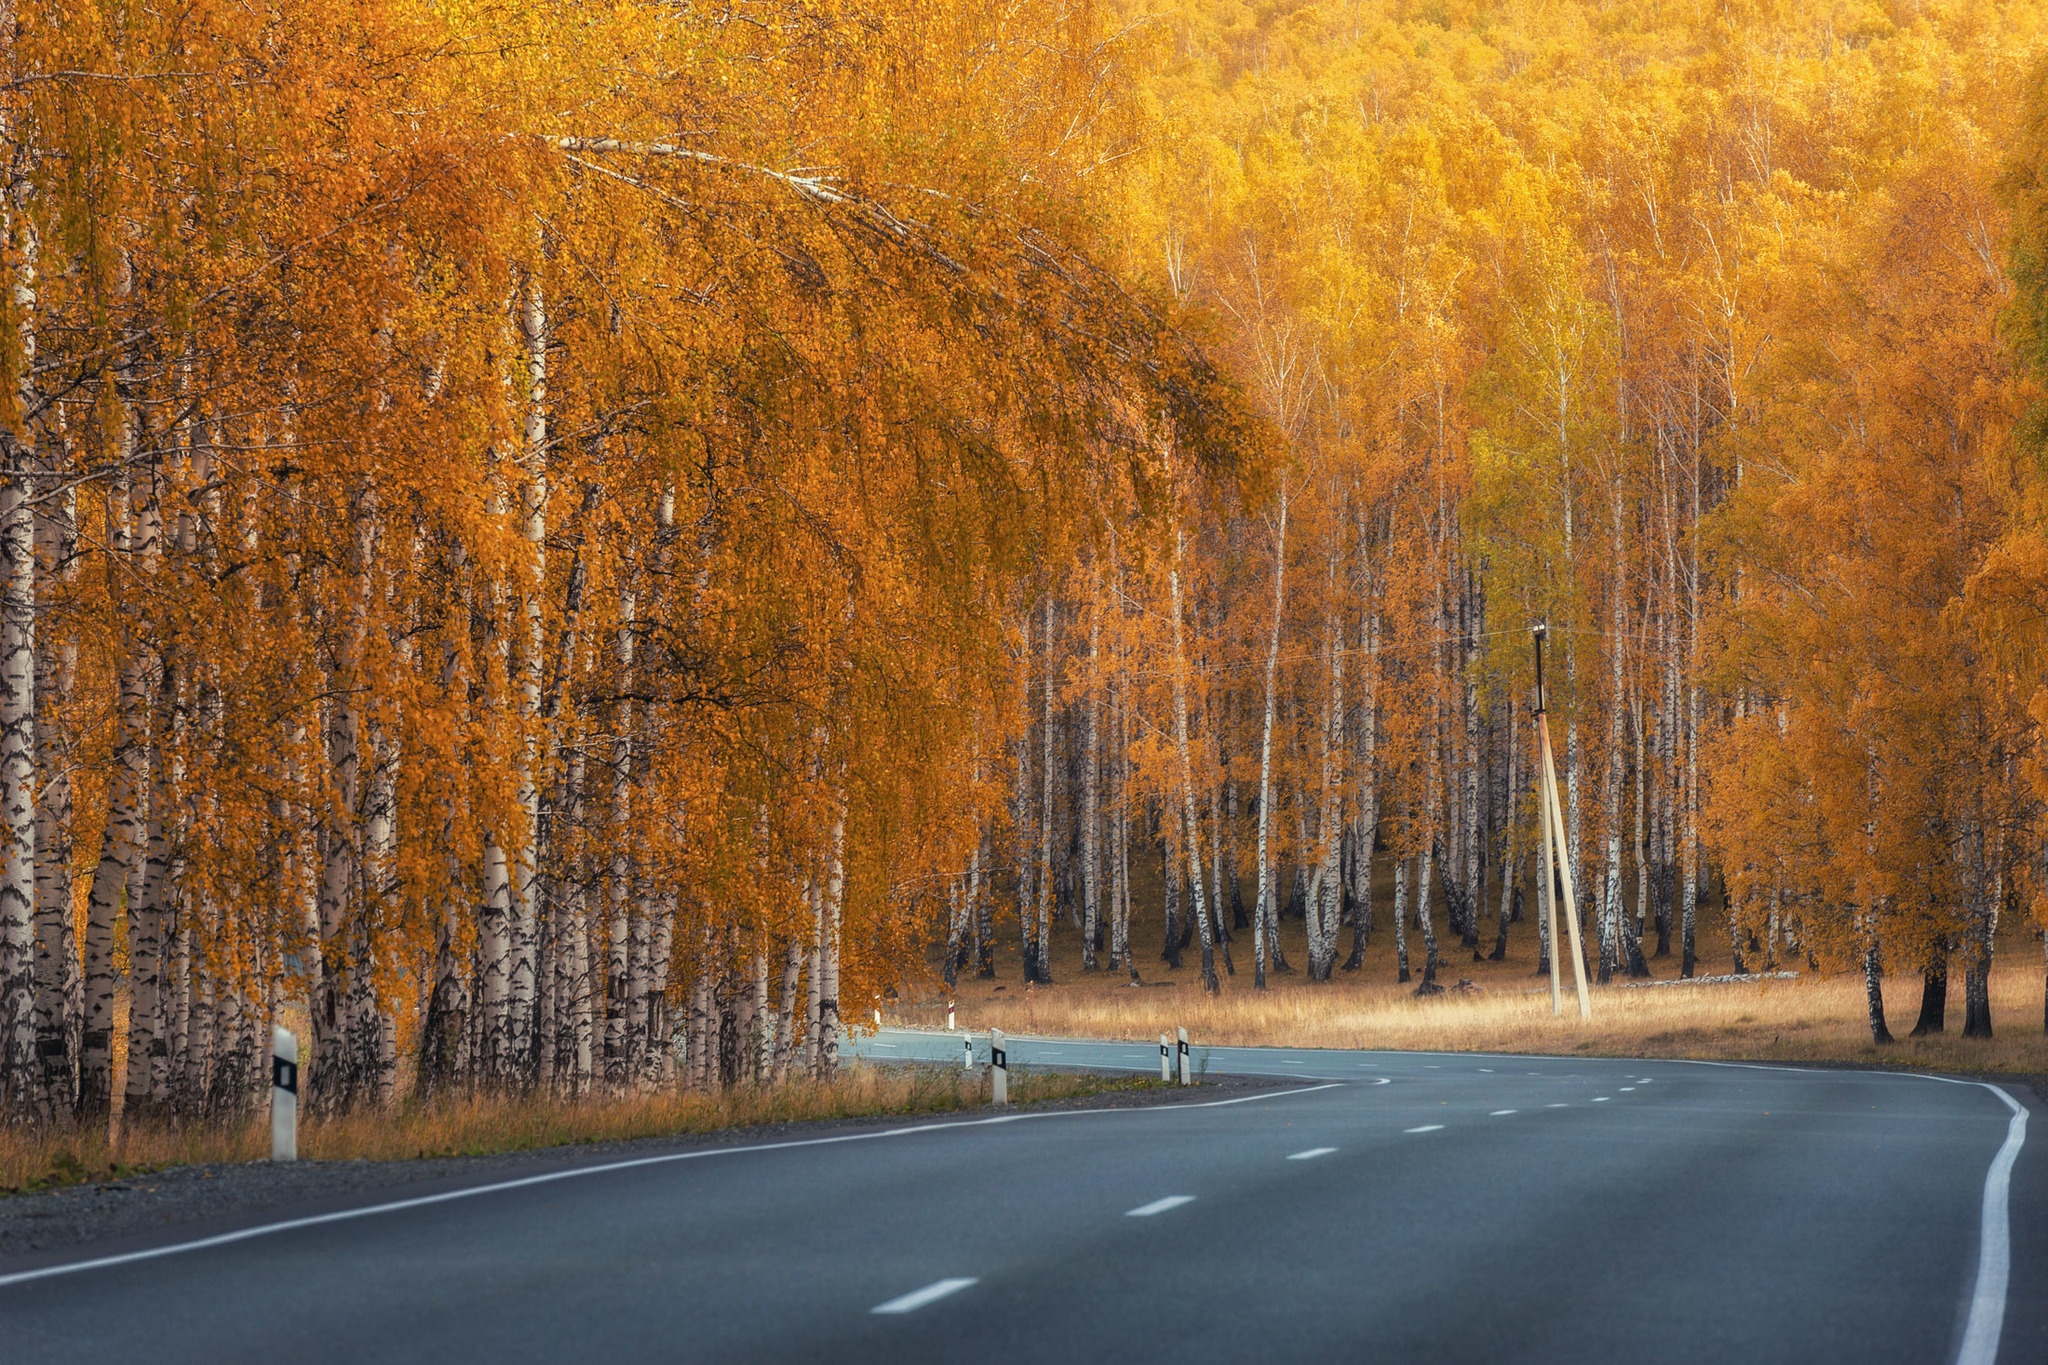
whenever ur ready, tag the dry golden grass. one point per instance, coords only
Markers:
(32, 1160)
(1819, 1017)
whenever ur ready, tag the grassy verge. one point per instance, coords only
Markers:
(32, 1160)
(1505, 1007)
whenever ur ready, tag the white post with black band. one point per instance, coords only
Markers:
(1165, 1058)
(967, 1052)
(998, 1068)
(284, 1095)
(1186, 1076)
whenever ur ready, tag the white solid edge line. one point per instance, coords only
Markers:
(918, 1298)
(1425, 1128)
(1172, 1201)
(447, 1196)
(1986, 1320)
(1312, 1153)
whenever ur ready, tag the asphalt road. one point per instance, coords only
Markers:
(1392, 1206)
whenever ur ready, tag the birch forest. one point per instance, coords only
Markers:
(581, 547)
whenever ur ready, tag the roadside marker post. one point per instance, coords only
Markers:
(967, 1052)
(1186, 1076)
(949, 1016)
(1165, 1058)
(998, 1068)
(284, 1095)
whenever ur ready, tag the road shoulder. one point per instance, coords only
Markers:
(110, 1217)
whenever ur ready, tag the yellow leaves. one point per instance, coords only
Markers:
(2008, 601)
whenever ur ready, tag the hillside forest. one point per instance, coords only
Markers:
(581, 546)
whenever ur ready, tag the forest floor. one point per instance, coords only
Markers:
(1817, 1016)
(33, 1161)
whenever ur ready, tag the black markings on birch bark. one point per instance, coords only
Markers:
(1262, 907)
(59, 983)
(1320, 901)
(1401, 918)
(1091, 768)
(1187, 781)
(1023, 863)
(21, 1082)
(1041, 962)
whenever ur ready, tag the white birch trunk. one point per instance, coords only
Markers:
(1091, 816)
(1265, 891)
(522, 1021)
(658, 1062)
(620, 875)
(122, 843)
(1020, 812)
(828, 1000)
(761, 1031)
(1401, 918)
(34, 1062)
(785, 1010)
(1187, 780)
(494, 910)
(58, 997)
(1368, 814)
(814, 978)
(1044, 963)
(148, 1040)
(1322, 900)
(21, 1089)
(639, 965)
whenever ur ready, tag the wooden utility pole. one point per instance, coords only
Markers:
(1554, 844)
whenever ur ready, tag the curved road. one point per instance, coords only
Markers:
(1390, 1206)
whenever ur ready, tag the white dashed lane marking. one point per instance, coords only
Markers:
(1426, 1128)
(1312, 1153)
(918, 1298)
(1172, 1201)
(1500, 1113)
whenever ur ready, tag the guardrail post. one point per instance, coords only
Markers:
(1165, 1058)
(284, 1095)
(1186, 1077)
(998, 1068)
